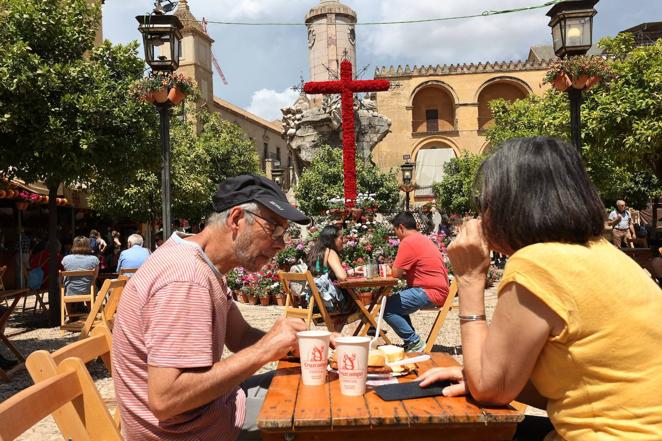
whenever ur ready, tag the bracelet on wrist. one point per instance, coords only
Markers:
(472, 317)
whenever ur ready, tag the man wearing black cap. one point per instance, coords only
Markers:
(176, 316)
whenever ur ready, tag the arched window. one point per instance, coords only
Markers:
(433, 110)
(507, 90)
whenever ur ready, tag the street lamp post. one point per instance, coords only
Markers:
(407, 186)
(161, 39)
(572, 35)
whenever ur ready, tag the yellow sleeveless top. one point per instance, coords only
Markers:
(602, 375)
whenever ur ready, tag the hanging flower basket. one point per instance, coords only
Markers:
(158, 96)
(582, 72)
(561, 82)
(176, 96)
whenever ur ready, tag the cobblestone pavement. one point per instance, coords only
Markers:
(28, 339)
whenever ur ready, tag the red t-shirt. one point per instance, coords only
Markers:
(425, 268)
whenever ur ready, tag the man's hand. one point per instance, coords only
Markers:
(445, 373)
(281, 338)
(470, 255)
(618, 218)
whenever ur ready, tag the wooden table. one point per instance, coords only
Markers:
(292, 411)
(382, 287)
(15, 295)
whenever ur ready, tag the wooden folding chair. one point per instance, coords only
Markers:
(72, 299)
(41, 364)
(125, 271)
(105, 306)
(334, 321)
(68, 393)
(39, 301)
(441, 317)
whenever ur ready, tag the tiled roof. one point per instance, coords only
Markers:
(232, 108)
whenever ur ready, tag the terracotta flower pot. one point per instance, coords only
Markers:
(242, 297)
(592, 81)
(561, 82)
(280, 300)
(252, 299)
(580, 82)
(265, 300)
(160, 96)
(176, 96)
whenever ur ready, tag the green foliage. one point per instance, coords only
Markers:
(621, 124)
(65, 118)
(323, 181)
(456, 190)
(199, 161)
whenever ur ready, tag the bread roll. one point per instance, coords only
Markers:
(376, 358)
(393, 353)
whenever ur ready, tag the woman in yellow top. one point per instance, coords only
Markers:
(577, 325)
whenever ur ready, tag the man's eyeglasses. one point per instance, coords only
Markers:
(279, 232)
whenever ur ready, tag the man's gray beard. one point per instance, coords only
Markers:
(241, 247)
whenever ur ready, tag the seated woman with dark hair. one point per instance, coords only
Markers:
(324, 263)
(576, 322)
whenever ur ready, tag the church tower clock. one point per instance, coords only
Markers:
(331, 38)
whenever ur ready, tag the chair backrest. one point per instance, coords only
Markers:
(3, 269)
(315, 298)
(69, 394)
(41, 364)
(124, 271)
(105, 306)
(441, 317)
(78, 273)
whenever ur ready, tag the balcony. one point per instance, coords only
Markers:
(427, 127)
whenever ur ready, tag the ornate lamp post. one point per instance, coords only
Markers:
(572, 35)
(161, 37)
(407, 186)
(277, 173)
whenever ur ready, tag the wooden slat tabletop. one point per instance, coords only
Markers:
(317, 412)
(362, 282)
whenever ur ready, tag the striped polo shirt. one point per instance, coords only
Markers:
(173, 313)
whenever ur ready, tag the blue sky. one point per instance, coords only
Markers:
(262, 63)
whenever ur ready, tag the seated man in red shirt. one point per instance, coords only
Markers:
(420, 261)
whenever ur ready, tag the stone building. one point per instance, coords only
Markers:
(437, 112)
(196, 62)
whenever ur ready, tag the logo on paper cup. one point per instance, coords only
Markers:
(350, 367)
(316, 358)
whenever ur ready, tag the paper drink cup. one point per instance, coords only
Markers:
(314, 353)
(352, 364)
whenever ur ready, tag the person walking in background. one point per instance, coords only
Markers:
(135, 254)
(420, 261)
(97, 244)
(621, 221)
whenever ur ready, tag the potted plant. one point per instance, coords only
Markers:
(265, 297)
(581, 72)
(180, 86)
(153, 89)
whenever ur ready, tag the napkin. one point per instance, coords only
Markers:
(410, 390)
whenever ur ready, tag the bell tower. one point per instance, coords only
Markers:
(331, 38)
(195, 52)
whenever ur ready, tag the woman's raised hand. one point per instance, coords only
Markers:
(470, 255)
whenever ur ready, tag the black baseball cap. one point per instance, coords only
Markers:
(251, 188)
